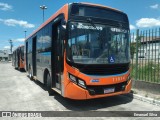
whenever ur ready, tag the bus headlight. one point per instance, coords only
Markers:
(77, 81)
(73, 78)
(81, 83)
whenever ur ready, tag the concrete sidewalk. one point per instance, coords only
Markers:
(145, 96)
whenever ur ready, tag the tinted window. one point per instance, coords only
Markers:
(29, 45)
(99, 44)
(89, 11)
(46, 38)
(39, 40)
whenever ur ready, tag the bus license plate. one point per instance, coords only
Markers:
(108, 90)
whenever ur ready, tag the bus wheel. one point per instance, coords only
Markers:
(30, 73)
(48, 85)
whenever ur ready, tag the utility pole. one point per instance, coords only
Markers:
(43, 7)
(11, 45)
(25, 34)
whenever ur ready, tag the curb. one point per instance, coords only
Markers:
(144, 99)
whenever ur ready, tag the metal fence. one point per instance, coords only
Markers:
(145, 55)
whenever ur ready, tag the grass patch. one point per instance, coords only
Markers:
(149, 72)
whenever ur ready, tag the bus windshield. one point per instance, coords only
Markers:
(97, 44)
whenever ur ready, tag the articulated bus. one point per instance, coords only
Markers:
(81, 52)
(18, 58)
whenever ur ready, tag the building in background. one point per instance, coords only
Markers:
(149, 47)
(4, 55)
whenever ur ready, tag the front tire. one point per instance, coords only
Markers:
(30, 73)
(48, 84)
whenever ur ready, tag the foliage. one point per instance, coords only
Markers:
(149, 72)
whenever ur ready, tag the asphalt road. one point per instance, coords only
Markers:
(19, 93)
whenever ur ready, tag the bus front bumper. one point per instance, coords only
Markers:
(73, 91)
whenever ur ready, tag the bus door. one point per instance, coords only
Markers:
(34, 58)
(57, 61)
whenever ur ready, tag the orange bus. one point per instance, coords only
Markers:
(18, 58)
(81, 52)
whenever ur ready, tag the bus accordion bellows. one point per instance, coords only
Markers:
(81, 52)
(18, 58)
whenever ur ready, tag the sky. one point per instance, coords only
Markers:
(17, 16)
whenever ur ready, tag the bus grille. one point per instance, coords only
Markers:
(98, 90)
